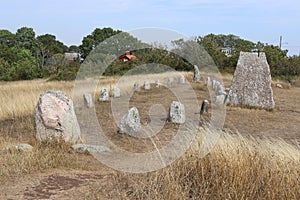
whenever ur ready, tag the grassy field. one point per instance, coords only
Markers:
(256, 157)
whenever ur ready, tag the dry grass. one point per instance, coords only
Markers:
(239, 167)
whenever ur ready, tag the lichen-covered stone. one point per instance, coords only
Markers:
(251, 83)
(196, 74)
(55, 118)
(177, 113)
(130, 123)
(104, 96)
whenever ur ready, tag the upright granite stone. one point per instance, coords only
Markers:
(208, 81)
(55, 118)
(181, 79)
(196, 74)
(147, 85)
(157, 83)
(251, 83)
(130, 123)
(177, 113)
(104, 96)
(116, 92)
(136, 87)
(170, 82)
(88, 100)
(204, 107)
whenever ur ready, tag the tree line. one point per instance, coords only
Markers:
(25, 56)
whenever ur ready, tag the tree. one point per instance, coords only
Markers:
(25, 38)
(276, 59)
(7, 38)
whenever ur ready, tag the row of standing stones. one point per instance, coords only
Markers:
(251, 85)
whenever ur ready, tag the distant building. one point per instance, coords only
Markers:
(226, 51)
(73, 56)
(127, 57)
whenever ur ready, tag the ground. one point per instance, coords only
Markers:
(62, 183)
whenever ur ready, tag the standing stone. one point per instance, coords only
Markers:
(207, 81)
(251, 83)
(88, 100)
(104, 95)
(220, 89)
(213, 84)
(116, 93)
(157, 83)
(196, 74)
(136, 87)
(55, 118)
(147, 85)
(219, 99)
(130, 123)
(181, 79)
(170, 82)
(177, 113)
(204, 107)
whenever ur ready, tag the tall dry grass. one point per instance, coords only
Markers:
(237, 168)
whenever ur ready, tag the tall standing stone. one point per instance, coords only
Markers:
(170, 82)
(104, 96)
(88, 100)
(204, 107)
(196, 74)
(55, 118)
(251, 83)
(177, 113)
(130, 123)
(207, 81)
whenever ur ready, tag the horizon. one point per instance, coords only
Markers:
(70, 21)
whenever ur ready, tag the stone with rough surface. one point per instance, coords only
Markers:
(116, 92)
(88, 100)
(130, 123)
(55, 118)
(136, 87)
(147, 85)
(81, 148)
(18, 147)
(104, 96)
(251, 84)
(177, 113)
(196, 74)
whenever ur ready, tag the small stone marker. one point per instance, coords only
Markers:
(204, 107)
(279, 85)
(130, 123)
(147, 85)
(196, 74)
(177, 113)
(116, 93)
(104, 94)
(136, 87)
(170, 82)
(181, 79)
(55, 118)
(157, 83)
(88, 100)
(207, 81)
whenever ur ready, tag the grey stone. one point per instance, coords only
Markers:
(17, 147)
(170, 82)
(130, 123)
(81, 148)
(204, 107)
(220, 89)
(157, 83)
(213, 84)
(88, 100)
(279, 85)
(55, 118)
(147, 85)
(116, 92)
(251, 83)
(196, 74)
(104, 96)
(136, 87)
(219, 99)
(177, 113)
(208, 81)
(181, 79)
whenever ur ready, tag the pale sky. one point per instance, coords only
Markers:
(71, 20)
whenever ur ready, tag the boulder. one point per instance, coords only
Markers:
(104, 96)
(131, 122)
(55, 118)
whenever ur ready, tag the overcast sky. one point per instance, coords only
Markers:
(70, 20)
